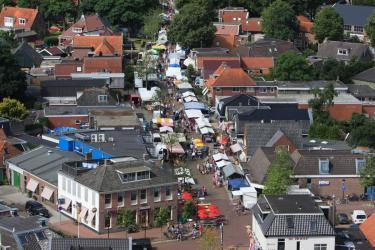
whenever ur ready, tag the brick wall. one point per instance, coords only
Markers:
(369, 110)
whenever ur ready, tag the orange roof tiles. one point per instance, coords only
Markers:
(257, 62)
(225, 41)
(17, 13)
(225, 76)
(252, 25)
(227, 29)
(102, 64)
(368, 229)
(233, 15)
(110, 44)
(305, 25)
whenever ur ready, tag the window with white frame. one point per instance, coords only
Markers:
(79, 69)
(86, 195)
(359, 165)
(22, 21)
(133, 198)
(77, 30)
(102, 98)
(236, 89)
(347, 27)
(157, 196)
(108, 200)
(320, 246)
(143, 196)
(8, 21)
(168, 193)
(121, 199)
(262, 90)
(342, 52)
(358, 29)
(323, 166)
(63, 183)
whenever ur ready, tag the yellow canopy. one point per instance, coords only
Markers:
(159, 46)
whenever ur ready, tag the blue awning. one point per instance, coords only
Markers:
(195, 105)
(238, 183)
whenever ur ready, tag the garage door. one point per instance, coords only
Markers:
(16, 179)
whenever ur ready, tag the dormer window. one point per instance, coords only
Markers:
(135, 176)
(342, 52)
(144, 175)
(77, 30)
(323, 166)
(313, 227)
(290, 222)
(359, 165)
(103, 98)
(129, 177)
(22, 21)
(8, 21)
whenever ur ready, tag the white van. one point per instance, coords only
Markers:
(358, 216)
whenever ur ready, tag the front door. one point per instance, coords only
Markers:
(143, 217)
(16, 179)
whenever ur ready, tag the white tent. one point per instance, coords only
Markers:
(193, 113)
(222, 163)
(203, 122)
(190, 99)
(205, 131)
(236, 148)
(174, 72)
(188, 93)
(184, 85)
(220, 156)
(166, 129)
(188, 61)
(147, 95)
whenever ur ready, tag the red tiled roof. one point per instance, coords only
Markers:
(17, 13)
(110, 44)
(223, 57)
(257, 62)
(65, 69)
(210, 65)
(305, 25)
(368, 229)
(228, 15)
(252, 25)
(227, 29)
(10, 149)
(89, 24)
(102, 64)
(225, 41)
(226, 76)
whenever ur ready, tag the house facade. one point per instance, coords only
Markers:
(291, 222)
(97, 196)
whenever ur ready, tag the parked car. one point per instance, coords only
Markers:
(343, 218)
(36, 208)
(358, 216)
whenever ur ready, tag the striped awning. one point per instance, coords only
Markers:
(32, 185)
(47, 193)
(83, 213)
(67, 203)
(90, 217)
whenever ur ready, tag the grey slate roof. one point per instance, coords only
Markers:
(89, 244)
(238, 100)
(267, 47)
(20, 224)
(68, 87)
(231, 170)
(90, 97)
(291, 215)
(260, 134)
(314, 144)
(361, 90)
(366, 76)
(41, 163)
(260, 163)
(354, 14)
(106, 178)
(342, 162)
(26, 56)
(329, 49)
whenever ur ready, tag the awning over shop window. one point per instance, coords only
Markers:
(47, 193)
(90, 217)
(83, 213)
(67, 203)
(236, 148)
(32, 185)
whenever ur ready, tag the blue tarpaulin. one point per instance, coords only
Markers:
(237, 183)
(195, 105)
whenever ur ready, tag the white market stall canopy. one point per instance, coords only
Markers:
(236, 148)
(203, 122)
(188, 93)
(205, 131)
(184, 85)
(190, 99)
(147, 95)
(166, 129)
(179, 136)
(220, 156)
(193, 113)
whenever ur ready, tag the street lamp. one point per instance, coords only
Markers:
(108, 216)
(78, 206)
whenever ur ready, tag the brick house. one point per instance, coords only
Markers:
(240, 16)
(304, 36)
(35, 172)
(102, 192)
(7, 151)
(25, 22)
(328, 172)
(91, 25)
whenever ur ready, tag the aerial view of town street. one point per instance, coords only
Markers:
(187, 124)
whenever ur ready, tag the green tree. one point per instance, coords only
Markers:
(278, 175)
(162, 217)
(193, 27)
(129, 76)
(125, 218)
(28, 3)
(322, 100)
(292, 66)
(7, 3)
(12, 79)
(363, 135)
(326, 130)
(190, 73)
(370, 28)
(152, 23)
(330, 69)
(210, 239)
(147, 66)
(328, 24)
(12, 109)
(188, 210)
(364, 2)
(57, 10)
(8, 37)
(279, 21)
(367, 174)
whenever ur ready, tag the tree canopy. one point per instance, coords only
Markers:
(152, 23)
(279, 21)
(292, 66)
(328, 24)
(278, 174)
(12, 109)
(363, 2)
(370, 28)
(126, 218)
(363, 134)
(193, 27)
(57, 10)
(367, 173)
(12, 79)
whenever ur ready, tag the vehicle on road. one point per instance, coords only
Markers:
(343, 218)
(36, 208)
(358, 216)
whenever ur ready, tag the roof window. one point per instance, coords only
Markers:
(323, 166)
